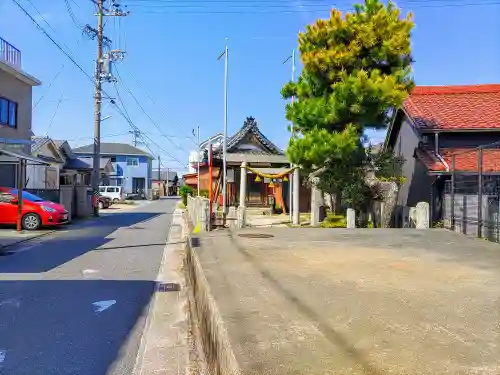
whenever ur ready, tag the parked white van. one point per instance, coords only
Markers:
(115, 193)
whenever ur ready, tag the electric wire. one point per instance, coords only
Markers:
(144, 111)
(83, 70)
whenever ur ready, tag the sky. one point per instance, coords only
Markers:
(171, 57)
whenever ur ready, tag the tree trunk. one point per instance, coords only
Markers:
(337, 204)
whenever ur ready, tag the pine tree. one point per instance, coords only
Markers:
(356, 71)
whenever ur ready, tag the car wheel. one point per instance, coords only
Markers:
(116, 200)
(101, 205)
(31, 222)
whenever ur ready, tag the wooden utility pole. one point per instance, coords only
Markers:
(159, 172)
(102, 73)
(168, 182)
(96, 172)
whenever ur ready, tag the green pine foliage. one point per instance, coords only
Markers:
(356, 70)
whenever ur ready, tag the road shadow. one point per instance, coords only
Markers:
(52, 327)
(69, 243)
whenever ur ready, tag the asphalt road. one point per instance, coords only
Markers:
(75, 302)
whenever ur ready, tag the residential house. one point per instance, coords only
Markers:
(63, 166)
(45, 176)
(133, 167)
(15, 113)
(436, 122)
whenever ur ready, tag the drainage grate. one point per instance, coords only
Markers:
(168, 287)
(255, 235)
(134, 228)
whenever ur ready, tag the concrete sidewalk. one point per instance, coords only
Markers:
(350, 302)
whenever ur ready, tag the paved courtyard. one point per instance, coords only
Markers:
(362, 301)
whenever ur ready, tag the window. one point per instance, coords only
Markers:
(8, 113)
(28, 196)
(102, 189)
(111, 190)
(134, 162)
(113, 159)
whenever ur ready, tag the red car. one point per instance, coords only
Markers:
(36, 212)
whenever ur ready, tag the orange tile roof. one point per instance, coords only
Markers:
(455, 107)
(466, 160)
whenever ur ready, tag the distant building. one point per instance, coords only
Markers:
(194, 156)
(133, 167)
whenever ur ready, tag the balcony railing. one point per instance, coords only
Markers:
(9, 53)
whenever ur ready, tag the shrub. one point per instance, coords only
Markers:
(184, 191)
(334, 221)
(204, 193)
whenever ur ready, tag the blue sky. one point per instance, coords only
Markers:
(172, 48)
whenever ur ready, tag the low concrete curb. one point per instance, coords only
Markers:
(163, 349)
(215, 340)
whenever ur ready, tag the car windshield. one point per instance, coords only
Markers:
(28, 196)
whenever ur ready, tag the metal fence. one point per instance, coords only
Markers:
(471, 201)
(9, 53)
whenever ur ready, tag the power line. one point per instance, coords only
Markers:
(275, 3)
(145, 112)
(55, 77)
(274, 9)
(150, 98)
(72, 15)
(82, 70)
(58, 105)
(134, 127)
(102, 136)
(52, 40)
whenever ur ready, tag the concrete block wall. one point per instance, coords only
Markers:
(66, 199)
(198, 210)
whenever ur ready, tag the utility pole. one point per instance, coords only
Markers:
(159, 169)
(224, 143)
(168, 182)
(136, 133)
(96, 172)
(160, 184)
(198, 160)
(290, 182)
(102, 73)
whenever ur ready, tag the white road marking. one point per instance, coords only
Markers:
(100, 306)
(14, 302)
(89, 272)
(3, 354)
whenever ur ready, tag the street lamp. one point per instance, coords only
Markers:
(290, 183)
(224, 145)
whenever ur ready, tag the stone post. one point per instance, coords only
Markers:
(351, 218)
(316, 202)
(241, 212)
(204, 215)
(422, 214)
(243, 184)
(296, 195)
